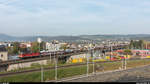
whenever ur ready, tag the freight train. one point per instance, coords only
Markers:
(46, 53)
(53, 53)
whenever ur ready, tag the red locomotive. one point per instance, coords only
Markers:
(29, 55)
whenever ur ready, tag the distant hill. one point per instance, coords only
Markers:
(4, 37)
(118, 37)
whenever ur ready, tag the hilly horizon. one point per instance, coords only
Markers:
(5, 37)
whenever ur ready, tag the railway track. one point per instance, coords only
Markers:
(59, 55)
(66, 66)
(33, 59)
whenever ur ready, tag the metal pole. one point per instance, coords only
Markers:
(122, 64)
(87, 64)
(50, 58)
(110, 52)
(93, 63)
(125, 62)
(41, 67)
(146, 49)
(41, 74)
(146, 46)
(56, 67)
(142, 49)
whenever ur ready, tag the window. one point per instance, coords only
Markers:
(1, 55)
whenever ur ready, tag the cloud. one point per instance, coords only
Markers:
(58, 17)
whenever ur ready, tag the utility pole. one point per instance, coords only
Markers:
(146, 49)
(146, 45)
(41, 68)
(110, 51)
(93, 63)
(122, 63)
(41, 73)
(50, 58)
(87, 64)
(125, 63)
(92, 55)
(56, 66)
(142, 49)
(39, 41)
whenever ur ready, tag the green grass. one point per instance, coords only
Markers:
(136, 63)
(107, 66)
(130, 63)
(48, 75)
(37, 66)
(70, 71)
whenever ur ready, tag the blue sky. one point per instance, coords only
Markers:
(74, 17)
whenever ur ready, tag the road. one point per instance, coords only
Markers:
(139, 74)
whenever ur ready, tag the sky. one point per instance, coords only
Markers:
(74, 17)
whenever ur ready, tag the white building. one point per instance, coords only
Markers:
(27, 44)
(53, 47)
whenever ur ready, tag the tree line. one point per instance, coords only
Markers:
(16, 49)
(136, 44)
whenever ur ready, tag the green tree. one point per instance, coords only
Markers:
(131, 44)
(64, 47)
(136, 44)
(127, 52)
(141, 44)
(10, 50)
(23, 49)
(35, 47)
(16, 48)
(43, 45)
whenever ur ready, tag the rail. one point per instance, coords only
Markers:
(106, 48)
(65, 66)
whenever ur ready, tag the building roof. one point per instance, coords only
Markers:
(2, 48)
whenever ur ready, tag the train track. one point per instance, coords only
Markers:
(66, 66)
(59, 55)
(34, 59)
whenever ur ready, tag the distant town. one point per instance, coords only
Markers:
(16, 48)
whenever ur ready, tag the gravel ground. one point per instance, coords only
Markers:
(140, 74)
